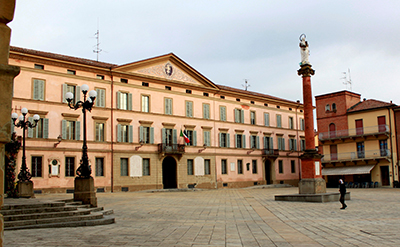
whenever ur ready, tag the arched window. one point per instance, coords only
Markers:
(333, 107)
(327, 107)
(332, 130)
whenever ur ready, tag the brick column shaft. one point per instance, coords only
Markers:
(308, 113)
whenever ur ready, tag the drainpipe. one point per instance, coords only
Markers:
(391, 144)
(112, 131)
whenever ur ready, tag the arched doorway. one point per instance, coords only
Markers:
(267, 169)
(169, 173)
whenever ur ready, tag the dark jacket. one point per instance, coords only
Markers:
(342, 189)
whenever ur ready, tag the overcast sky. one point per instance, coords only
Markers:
(229, 41)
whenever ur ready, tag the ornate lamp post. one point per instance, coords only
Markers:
(84, 184)
(24, 176)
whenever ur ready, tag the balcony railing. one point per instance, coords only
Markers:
(369, 154)
(338, 134)
(270, 152)
(171, 148)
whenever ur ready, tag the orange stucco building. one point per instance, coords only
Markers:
(237, 138)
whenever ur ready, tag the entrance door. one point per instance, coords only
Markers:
(267, 168)
(359, 127)
(169, 173)
(382, 124)
(385, 175)
(334, 155)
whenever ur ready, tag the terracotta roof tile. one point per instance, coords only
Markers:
(368, 105)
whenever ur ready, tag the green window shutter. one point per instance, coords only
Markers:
(78, 94)
(189, 109)
(151, 135)
(41, 90)
(45, 128)
(283, 143)
(194, 138)
(265, 142)
(163, 135)
(102, 98)
(290, 144)
(64, 129)
(220, 139)
(207, 138)
(257, 142)
(236, 144)
(141, 133)
(97, 102)
(118, 100)
(278, 121)
(244, 141)
(279, 143)
(119, 137)
(130, 134)
(64, 91)
(223, 114)
(242, 116)
(129, 101)
(236, 112)
(295, 144)
(35, 89)
(271, 143)
(30, 130)
(266, 119)
(228, 140)
(174, 137)
(77, 130)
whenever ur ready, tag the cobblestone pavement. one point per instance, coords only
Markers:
(230, 217)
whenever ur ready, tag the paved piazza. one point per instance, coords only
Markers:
(230, 217)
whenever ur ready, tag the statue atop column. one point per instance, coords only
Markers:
(304, 51)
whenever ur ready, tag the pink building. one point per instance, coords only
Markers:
(237, 138)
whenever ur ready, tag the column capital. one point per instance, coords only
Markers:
(306, 70)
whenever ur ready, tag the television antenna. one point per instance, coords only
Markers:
(97, 50)
(246, 85)
(347, 79)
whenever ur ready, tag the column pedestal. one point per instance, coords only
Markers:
(85, 191)
(25, 189)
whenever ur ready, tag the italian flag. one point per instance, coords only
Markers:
(184, 136)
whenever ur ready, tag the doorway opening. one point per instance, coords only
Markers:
(267, 169)
(169, 173)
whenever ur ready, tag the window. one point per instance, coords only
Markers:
(36, 168)
(238, 100)
(224, 168)
(281, 143)
(71, 130)
(71, 72)
(69, 166)
(207, 168)
(99, 132)
(41, 130)
(124, 166)
(189, 167)
(169, 136)
(333, 151)
(101, 77)
(292, 144)
(252, 102)
(382, 127)
(360, 150)
(240, 141)
(327, 107)
(222, 97)
(206, 111)
(168, 106)
(124, 133)
(101, 97)
(39, 66)
(334, 107)
(254, 166)
(302, 124)
(266, 119)
(252, 117)
(145, 103)
(207, 138)
(192, 135)
(239, 116)
(224, 140)
(254, 142)
(38, 89)
(124, 80)
(265, 104)
(188, 91)
(146, 134)
(383, 148)
(99, 167)
(293, 166)
(291, 124)
(124, 101)
(189, 109)
(75, 90)
(146, 167)
(279, 121)
(240, 166)
(222, 113)
(205, 94)
(359, 127)
(302, 144)
(280, 166)
(268, 143)
(145, 84)
(168, 88)
(278, 106)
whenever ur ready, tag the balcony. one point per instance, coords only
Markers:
(270, 153)
(357, 132)
(164, 148)
(357, 156)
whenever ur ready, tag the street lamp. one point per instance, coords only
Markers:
(24, 175)
(84, 169)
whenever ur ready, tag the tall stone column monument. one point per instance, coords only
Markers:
(7, 74)
(311, 179)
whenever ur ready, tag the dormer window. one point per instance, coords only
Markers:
(327, 107)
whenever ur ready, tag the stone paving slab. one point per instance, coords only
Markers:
(229, 217)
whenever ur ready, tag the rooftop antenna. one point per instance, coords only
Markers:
(246, 85)
(347, 79)
(97, 35)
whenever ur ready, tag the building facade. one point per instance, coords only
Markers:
(358, 139)
(143, 113)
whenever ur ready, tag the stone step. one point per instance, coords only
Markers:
(38, 210)
(17, 206)
(106, 219)
(46, 215)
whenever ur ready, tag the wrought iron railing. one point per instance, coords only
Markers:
(271, 152)
(171, 148)
(369, 154)
(378, 129)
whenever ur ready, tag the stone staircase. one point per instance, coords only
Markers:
(25, 214)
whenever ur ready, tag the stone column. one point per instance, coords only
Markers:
(7, 74)
(311, 179)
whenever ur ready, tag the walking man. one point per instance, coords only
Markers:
(342, 190)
